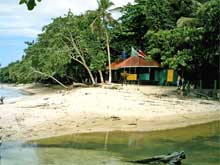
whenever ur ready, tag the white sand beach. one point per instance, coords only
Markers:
(48, 113)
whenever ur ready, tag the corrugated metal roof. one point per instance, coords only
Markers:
(134, 61)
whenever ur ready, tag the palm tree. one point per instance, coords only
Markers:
(101, 23)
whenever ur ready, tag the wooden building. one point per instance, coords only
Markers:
(139, 70)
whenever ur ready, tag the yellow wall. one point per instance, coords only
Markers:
(132, 77)
(170, 74)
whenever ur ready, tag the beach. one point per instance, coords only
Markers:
(46, 113)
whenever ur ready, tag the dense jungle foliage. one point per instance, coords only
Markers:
(78, 48)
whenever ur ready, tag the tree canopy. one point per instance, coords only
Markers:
(177, 33)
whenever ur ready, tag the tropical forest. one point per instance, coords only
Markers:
(76, 48)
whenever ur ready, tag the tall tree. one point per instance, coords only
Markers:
(174, 47)
(101, 22)
(208, 16)
(132, 27)
(158, 15)
(65, 36)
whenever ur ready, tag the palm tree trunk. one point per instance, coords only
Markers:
(101, 76)
(109, 57)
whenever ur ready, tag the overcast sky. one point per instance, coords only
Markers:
(18, 25)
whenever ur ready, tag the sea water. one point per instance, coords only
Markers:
(201, 144)
(10, 93)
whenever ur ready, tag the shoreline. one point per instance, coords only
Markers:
(145, 130)
(49, 113)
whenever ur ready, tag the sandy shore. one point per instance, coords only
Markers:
(49, 113)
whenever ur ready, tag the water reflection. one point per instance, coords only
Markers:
(18, 154)
(201, 144)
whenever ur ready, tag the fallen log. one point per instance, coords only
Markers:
(174, 158)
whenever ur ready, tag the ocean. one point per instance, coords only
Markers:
(10, 93)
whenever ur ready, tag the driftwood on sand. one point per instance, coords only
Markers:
(2, 100)
(170, 159)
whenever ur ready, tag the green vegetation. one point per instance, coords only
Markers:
(30, 3)
(177, 33)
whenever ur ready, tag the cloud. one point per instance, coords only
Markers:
(17, 24)
(17, 20)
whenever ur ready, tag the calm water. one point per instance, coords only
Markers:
(10, 93)
(201, 144)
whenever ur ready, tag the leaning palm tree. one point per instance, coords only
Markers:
(101, 22)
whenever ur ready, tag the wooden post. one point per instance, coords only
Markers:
(188, 88)
(200, 87)
(215, 90)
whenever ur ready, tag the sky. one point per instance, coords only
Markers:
(18, 25)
